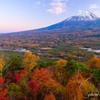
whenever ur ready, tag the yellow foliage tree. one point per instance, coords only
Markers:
(90, 88)
(29, 61)
(1, 66)
(60, 71)
(61, 63)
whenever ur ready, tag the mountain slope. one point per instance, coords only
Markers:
(84, 20)
(83, 24)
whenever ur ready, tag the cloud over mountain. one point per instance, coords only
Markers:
(58, 6)
(93, 6)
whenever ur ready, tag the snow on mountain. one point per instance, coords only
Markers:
(83, 16)
(84, 20)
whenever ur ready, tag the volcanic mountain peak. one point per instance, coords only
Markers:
(85, 20)
(83, 16)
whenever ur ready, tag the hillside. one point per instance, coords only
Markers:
(61, 40)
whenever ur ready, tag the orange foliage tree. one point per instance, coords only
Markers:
(75, 86)
(94, 63)
(49, 97)
(78, 87)
(44, 77)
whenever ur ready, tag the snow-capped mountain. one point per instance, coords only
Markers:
(83, 16)
(84, 19)
(84, 22)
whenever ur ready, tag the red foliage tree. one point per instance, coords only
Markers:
(1, 80)
(33, 87)
(20, 75)
(3, 93)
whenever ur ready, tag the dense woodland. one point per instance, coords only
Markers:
(54, 45)
(30, 77)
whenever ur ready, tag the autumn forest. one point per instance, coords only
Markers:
(29, 77)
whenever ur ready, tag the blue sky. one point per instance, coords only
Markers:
(18, 15)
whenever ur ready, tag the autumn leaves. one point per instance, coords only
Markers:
(29, 61)
(64, 80)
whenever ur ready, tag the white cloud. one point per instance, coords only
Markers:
(93, 6)
(58, 6)
(38, 2)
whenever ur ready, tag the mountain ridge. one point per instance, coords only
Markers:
(72, 25)
(74, 21)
